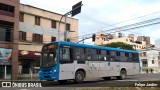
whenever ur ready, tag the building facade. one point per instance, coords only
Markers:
(36, 28)
(150, 60)
(138, 42)
(9, 24)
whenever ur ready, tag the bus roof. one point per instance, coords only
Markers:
(95, 47)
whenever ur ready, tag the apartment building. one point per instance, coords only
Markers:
(37, 27)
(150, 60)
(138, 42)
(9, 24)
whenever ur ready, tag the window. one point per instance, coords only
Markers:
(152, 61)
(37, 20)
(53, 39)
(94, 53)
(118, 53)
(6, 32)
(88, 54)
(123, 58)
(114, 56)
(67, 26)
(135, 57)
(22, 36)
(53, 24)
(37, 38)
(127, 54)
(144, 54)
(66, 54)
(102, 55)
(113, 53)
(6, 9)
(122, 54)
(130, 58)
(144, 64)
(21, 17)
(108, 52)
(77, 53)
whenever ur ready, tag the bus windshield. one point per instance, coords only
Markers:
(49, 55)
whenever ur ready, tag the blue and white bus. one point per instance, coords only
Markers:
(62, 61)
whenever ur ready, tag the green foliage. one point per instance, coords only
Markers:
(119, 45)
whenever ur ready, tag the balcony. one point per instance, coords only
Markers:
(6, 13)
(144, 57)
(26, 27)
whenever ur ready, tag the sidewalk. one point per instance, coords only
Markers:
(23, 79)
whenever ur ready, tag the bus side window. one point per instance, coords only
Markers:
(114, 56)
(65, 55)
(103, 55)
(77, 53)
(123, 58)
(82, 53)
(127, 56)
(94, 53)
(135, 57)
(88, 54)
(130, 57)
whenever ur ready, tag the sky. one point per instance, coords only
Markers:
(105, 14)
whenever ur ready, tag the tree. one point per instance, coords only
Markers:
(119, 45)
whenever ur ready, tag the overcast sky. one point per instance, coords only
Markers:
(98, 14)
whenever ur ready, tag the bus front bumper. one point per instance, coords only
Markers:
(49, 77)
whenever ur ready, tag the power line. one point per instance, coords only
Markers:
(127, 20)
(132, 26)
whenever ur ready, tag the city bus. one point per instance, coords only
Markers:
(62, 61)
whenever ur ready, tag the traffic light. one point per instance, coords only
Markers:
(93, 37)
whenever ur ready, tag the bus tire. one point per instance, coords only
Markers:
(79, 77)
(122, 74)
(62, 81)
(106, 78)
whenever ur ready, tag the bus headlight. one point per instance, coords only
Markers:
(53, 77)
(40, 71)
(54, 71)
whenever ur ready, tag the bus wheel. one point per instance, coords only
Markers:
(62, 81)
(79, 77)
(106, 78)
(122, 75)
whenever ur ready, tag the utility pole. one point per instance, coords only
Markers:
(75, 10)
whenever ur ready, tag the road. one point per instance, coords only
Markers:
(131, 81)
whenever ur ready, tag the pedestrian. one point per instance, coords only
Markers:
(151, 70)
(146, 70)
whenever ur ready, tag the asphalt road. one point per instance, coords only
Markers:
(141, 80)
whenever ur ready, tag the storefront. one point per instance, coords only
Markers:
(29, 62)
(5, 64)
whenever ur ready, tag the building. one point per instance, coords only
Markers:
(150, 60)
(9, 24)
(37, 27)
(138, 42)
(157, 43)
